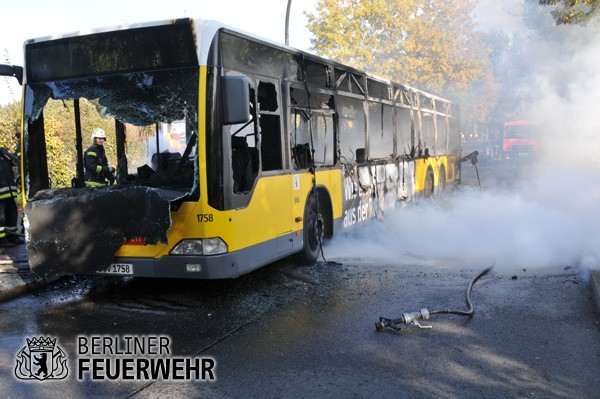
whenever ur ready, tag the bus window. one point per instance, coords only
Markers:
(319, 136)
(149, 136)
(244, 150)
(270, 127)
(323, 139)
(352, 127)
(428, 132)
(381, 132)
(241, 164)
(166, 146)
(244, 158)
(405, 131)
(300, 139)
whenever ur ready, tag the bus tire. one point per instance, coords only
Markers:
(312, 231)
(429, 183)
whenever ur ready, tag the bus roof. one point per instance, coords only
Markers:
(204, 32)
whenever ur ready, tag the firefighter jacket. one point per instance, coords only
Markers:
(96, 166)
(8, 187)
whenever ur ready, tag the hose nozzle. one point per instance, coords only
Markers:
(407, 318)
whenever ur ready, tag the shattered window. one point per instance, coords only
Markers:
(405, 131)
(157, 110)
(352, 127)
(300, 139)
(318, 136)
(270, 127)
(428, 132)
(323, 139)
(381, 130)
(442, 134)
(249, 56)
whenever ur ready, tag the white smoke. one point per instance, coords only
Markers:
(494, 15)
(551, 218)
(479, 227)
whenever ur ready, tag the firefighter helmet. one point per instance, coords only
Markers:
(98, 133)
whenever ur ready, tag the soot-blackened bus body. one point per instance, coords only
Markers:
(231, 151)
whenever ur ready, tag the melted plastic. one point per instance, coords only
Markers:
(77, 231)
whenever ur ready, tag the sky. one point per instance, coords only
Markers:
(22, 20)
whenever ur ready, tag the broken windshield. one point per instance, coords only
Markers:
(156, 111)
(150, 120)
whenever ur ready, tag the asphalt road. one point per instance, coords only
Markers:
(310, 332)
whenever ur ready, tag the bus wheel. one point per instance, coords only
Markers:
(312, 232)
(429, 185)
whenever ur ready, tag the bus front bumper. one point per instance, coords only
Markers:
(190, 267)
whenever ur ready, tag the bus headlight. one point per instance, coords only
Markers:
(203, 246)
(213, 246)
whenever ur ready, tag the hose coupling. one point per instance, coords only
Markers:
(414, 317)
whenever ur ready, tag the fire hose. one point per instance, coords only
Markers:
(424, 314)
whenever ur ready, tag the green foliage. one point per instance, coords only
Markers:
(573, 11)
(10, 124)
(59, 127)
(431, 44)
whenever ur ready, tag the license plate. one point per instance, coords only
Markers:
(118, 268)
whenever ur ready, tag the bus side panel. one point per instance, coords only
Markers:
(421, 166)
(373, 189)
(332, 180)
(267, 216)
(435, 163)
(257, 235)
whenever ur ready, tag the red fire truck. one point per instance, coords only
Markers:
(519, 138)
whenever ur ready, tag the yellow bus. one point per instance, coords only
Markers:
(231, 151)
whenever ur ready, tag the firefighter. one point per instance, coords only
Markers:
(97, 171)
(8, 207)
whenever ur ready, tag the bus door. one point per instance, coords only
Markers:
(278, 198)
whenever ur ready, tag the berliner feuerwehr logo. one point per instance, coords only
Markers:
(41, 360)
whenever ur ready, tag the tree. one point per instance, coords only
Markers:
(573, 11)
(429, 44)
(10, 124)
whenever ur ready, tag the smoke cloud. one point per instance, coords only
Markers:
(480, 227)
(548, 217)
